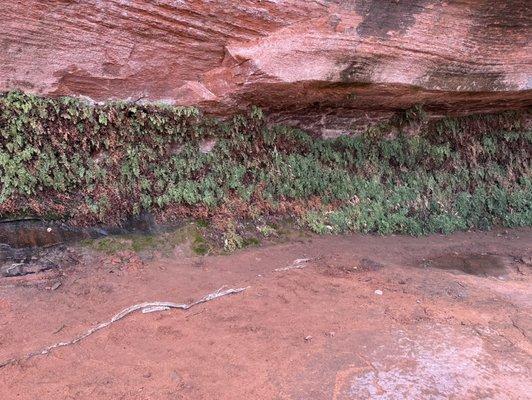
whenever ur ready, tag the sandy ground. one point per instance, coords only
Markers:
(322, 331)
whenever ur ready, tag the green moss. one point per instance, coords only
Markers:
(202, 223)
(200, 249)
(110, 245)
(100, 164)
(188, 235)
(250, 242)
(200, 245)
(143, 242)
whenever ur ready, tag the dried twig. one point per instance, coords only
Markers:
(297, 264)
(196, 313)
(516, 326)
(59, 329)
(125, 312)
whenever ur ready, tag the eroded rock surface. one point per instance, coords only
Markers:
(325, 64)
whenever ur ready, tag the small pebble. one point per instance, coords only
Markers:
(308, 338)
(378, 292)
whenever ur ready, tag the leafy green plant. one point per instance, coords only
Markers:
(232, 240)
(103, 163)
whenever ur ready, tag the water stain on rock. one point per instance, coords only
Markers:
(471, 264)
(35, 232)
(381, 18)
(32, 260)
(40, 233)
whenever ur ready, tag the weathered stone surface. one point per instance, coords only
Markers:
(327, 64)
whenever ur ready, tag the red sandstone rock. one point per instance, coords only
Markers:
(326, 63)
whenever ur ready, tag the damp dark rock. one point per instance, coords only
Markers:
(32, 260)
(39, 233)
(471, 264)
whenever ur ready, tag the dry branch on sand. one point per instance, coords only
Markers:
(143, 307)
(297, 264)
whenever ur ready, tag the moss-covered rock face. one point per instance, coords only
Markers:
(65, 159)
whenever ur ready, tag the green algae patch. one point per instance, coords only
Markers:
(191, 239)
